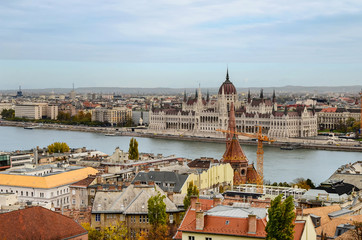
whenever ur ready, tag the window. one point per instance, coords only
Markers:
(41, 195)
(171, 218)
(227, 222)
(98, 217)
(191, 238)
(208, 238)
(73, 201)
(140, 219)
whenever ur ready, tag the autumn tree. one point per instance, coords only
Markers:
(281, 216)
(357, 231)
(118, 231)
(58, 147)
(305, 184)
(133, 149)
(158, 218)
(191, 191)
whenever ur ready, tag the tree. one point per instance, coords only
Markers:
(58, 147)
(157, 217)
(305, 184)
(357, 231)
(191, 191)
(8, 113)
(133, 149)
(113, 232)
(157, 210)
(281, 216)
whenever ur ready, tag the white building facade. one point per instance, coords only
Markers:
(201, 117)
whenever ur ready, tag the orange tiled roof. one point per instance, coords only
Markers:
(330, 227)
(322, 212)
(38, 223)
(47, 181)
(331, 109)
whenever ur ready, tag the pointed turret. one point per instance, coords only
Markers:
(249, 96)
(185, 97)
(227, 75)
(196, 95)
(261, 94)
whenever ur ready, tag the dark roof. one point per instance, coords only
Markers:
(38, 223)
(162, 177)
(84, 182)
(340, 188)
(201, 163)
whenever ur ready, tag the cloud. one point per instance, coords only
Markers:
(180, 31)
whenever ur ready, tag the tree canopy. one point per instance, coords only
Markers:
(133, 149)
(158, 218)
(58, 147)
(281, 216)
(191, 191)
(157, 210)
(113, 232)
(8, 113)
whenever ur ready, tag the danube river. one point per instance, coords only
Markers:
(279, 165)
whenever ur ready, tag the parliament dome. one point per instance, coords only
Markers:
(228, 86)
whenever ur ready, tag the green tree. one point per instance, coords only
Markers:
(158, 218)
(8, 113)
(281, 216)
(133, 149)
(58, 147)
(157, 210)
(191, 191)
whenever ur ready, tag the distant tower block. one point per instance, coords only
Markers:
(19, 93)
(72, 94)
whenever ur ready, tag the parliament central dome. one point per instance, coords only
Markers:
(228, 86)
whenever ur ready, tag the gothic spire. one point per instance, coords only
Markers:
(227, 75)
(207, 96)
(261, 94)
(274, 96)
(185, 97)
(196, 94)
(249, 96)
(286, 110)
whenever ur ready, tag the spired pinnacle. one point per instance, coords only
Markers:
(227, 75)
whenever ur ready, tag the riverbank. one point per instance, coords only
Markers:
(288, 144)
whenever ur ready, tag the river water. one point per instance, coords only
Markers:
(279, 165)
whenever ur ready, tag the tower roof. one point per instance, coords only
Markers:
(234, 152)
(228, 86)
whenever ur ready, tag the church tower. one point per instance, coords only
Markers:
(234, 154)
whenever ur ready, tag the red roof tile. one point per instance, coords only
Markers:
(38, 223)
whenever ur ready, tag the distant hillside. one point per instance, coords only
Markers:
(171, 91)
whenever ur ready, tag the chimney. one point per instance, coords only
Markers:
(137, 183)
(112, 187)
(119, 187)
(200, 221)
(100, 187)
(193, 199)
(170, 195)
(299, 211)
(216, 201)
(252, 224)
(151, 183)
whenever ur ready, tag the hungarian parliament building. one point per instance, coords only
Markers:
(199, 116)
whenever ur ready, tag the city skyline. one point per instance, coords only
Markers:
(179, 44)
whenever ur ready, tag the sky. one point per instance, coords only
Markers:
(183, 43)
